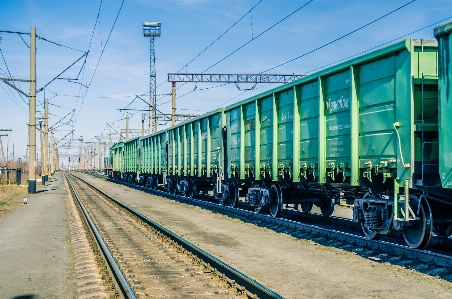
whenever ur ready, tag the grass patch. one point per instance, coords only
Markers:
(10, 197)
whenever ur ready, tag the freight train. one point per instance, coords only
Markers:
(373, 131)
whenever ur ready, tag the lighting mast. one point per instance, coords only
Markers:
(152, 29)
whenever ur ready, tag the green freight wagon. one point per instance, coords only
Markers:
(117, 152)
(405, 135)
(154, 164)
(362, 128)
(132, 159)
(195, 155)
(440, 199)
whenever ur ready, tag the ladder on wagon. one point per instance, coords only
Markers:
(429, 145)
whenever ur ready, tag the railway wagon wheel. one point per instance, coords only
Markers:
(152, 182)
(192, 191)
(327, 207)
(173, 188)
(171, 182)
(149, 182)
(276, 204)
(306, 208)
(419, 234)
(155, 181)
(370, 234)
(234, 198)
(228, 198)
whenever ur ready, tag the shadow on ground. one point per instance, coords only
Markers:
(26, 296)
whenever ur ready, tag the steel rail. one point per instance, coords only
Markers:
(120, 279)
(247, 282)
(425, 256)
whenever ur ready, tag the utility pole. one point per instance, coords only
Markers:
(127, 127)
(111, 141)
(100, 156)
(7, 154)
(42, 152)
(173, 103)
(93, 157)
(80, 160)
(1, 147)
(46, 140)
(3, 153)
(84, 159)
(56, 159)
(105, 154)
(152, 29)
(32, 116)
(142, 124)
(52, 164)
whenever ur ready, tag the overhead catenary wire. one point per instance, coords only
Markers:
(13, 99)
(379, 46)
(42, 88)
(339, 38)
(259, 35)
(14, 32)
(212, 43)
(248, 42)
(329, 43)
(100, 58)
(9, 73)
(218, 38)
(24, 41)
(360, 53)
(57, 44)
(72, 111)
(91, 40)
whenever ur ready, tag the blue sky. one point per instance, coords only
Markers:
(188, 26)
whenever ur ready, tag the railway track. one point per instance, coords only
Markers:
(148, 260)
(339, 232)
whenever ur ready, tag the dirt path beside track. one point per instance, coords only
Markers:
(35, 251)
